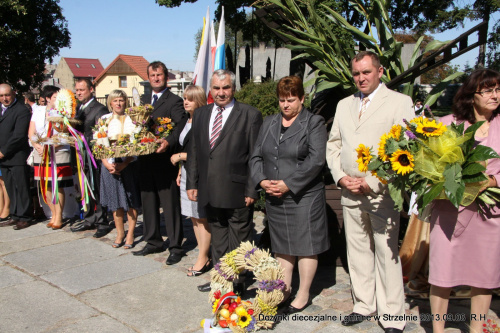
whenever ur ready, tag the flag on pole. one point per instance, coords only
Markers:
(220, 53)
(203, 69)
(211, 55)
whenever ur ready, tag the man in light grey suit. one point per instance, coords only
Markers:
(370, 221)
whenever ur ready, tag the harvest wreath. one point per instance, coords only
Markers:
(129, 134)
(229, 310)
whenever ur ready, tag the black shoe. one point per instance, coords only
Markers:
(3, 219)
(206, 268)
(101, 232)
(81, 227)
(353, 319)
(204, 288)
(239, 288)
(9, 222)
(393, 330)
(146, 250)
(21, 225)
(292, 309)
(173, 258)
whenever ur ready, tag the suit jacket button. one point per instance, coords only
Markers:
(275, 157)
(275, 168)
(275, 147)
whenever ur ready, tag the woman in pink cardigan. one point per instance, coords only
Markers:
(465, 246)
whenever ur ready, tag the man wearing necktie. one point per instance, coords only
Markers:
(370, 221)
(89, 112)
(14, 150)
(218, 177)
(158, 175)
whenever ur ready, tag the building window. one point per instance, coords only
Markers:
(77, 66)
(123, 81)
(93, 66)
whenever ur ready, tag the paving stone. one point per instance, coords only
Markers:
(163, 301)
(42, 240)
(62, 256)
(9, 234)
(95, 275)
(11, 277)
(38, 307)
(101, 324)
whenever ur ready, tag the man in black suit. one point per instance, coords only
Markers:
(158, 175)
(89, 112)
(218, 177)
(14, 150)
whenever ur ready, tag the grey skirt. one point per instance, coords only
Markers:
(298, 224)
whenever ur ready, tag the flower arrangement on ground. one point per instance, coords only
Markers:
(232, 312)
(433, 160)
(491, 326)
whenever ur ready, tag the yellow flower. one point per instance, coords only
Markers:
(160, 129)
(169, 126)
(244, 320)
(364, 157)
(402, 161)
(382, 180)
(395, 131)
(431, 128)
(381, 147)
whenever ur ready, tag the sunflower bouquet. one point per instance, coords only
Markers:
(433, 160)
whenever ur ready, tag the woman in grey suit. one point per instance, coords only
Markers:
(286, 163)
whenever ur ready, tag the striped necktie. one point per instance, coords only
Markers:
(364, 106)
(217, 127)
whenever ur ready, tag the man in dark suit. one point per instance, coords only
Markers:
(14, 150)
(89, 112)
(158, 175)
(218, 177)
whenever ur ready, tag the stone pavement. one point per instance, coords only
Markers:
(59, 281)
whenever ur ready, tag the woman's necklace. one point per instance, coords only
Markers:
(485, 132)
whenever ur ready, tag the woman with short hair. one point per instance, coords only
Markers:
(287, 164)
(119, 190)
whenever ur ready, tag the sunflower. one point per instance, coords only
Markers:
(402, 161)
(244, 320)
(431, 128)
(364, 157)
(382, 180)
(381, 147)
(395, 131)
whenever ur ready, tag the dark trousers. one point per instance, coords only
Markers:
(158, 189)
(229, 227)
(17, 184)
(96, 215)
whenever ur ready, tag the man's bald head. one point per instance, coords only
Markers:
(7, 95)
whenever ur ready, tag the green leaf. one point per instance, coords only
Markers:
(434, 45)
(396, 189)
(438, 89)
(431, 194)
(375, 164)
(473, 168)
(482, 153)
(475, 178)
(453, 185)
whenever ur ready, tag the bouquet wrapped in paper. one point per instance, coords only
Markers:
(434, 161)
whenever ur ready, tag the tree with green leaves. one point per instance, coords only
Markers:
(31, 33)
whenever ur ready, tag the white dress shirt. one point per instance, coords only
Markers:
(225, 114)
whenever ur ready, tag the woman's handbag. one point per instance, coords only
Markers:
(31, 158)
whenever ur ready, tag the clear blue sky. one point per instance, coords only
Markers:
(103, 29)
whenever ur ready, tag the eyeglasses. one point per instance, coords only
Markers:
(489, 92)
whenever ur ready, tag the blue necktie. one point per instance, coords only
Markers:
(155, 98)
